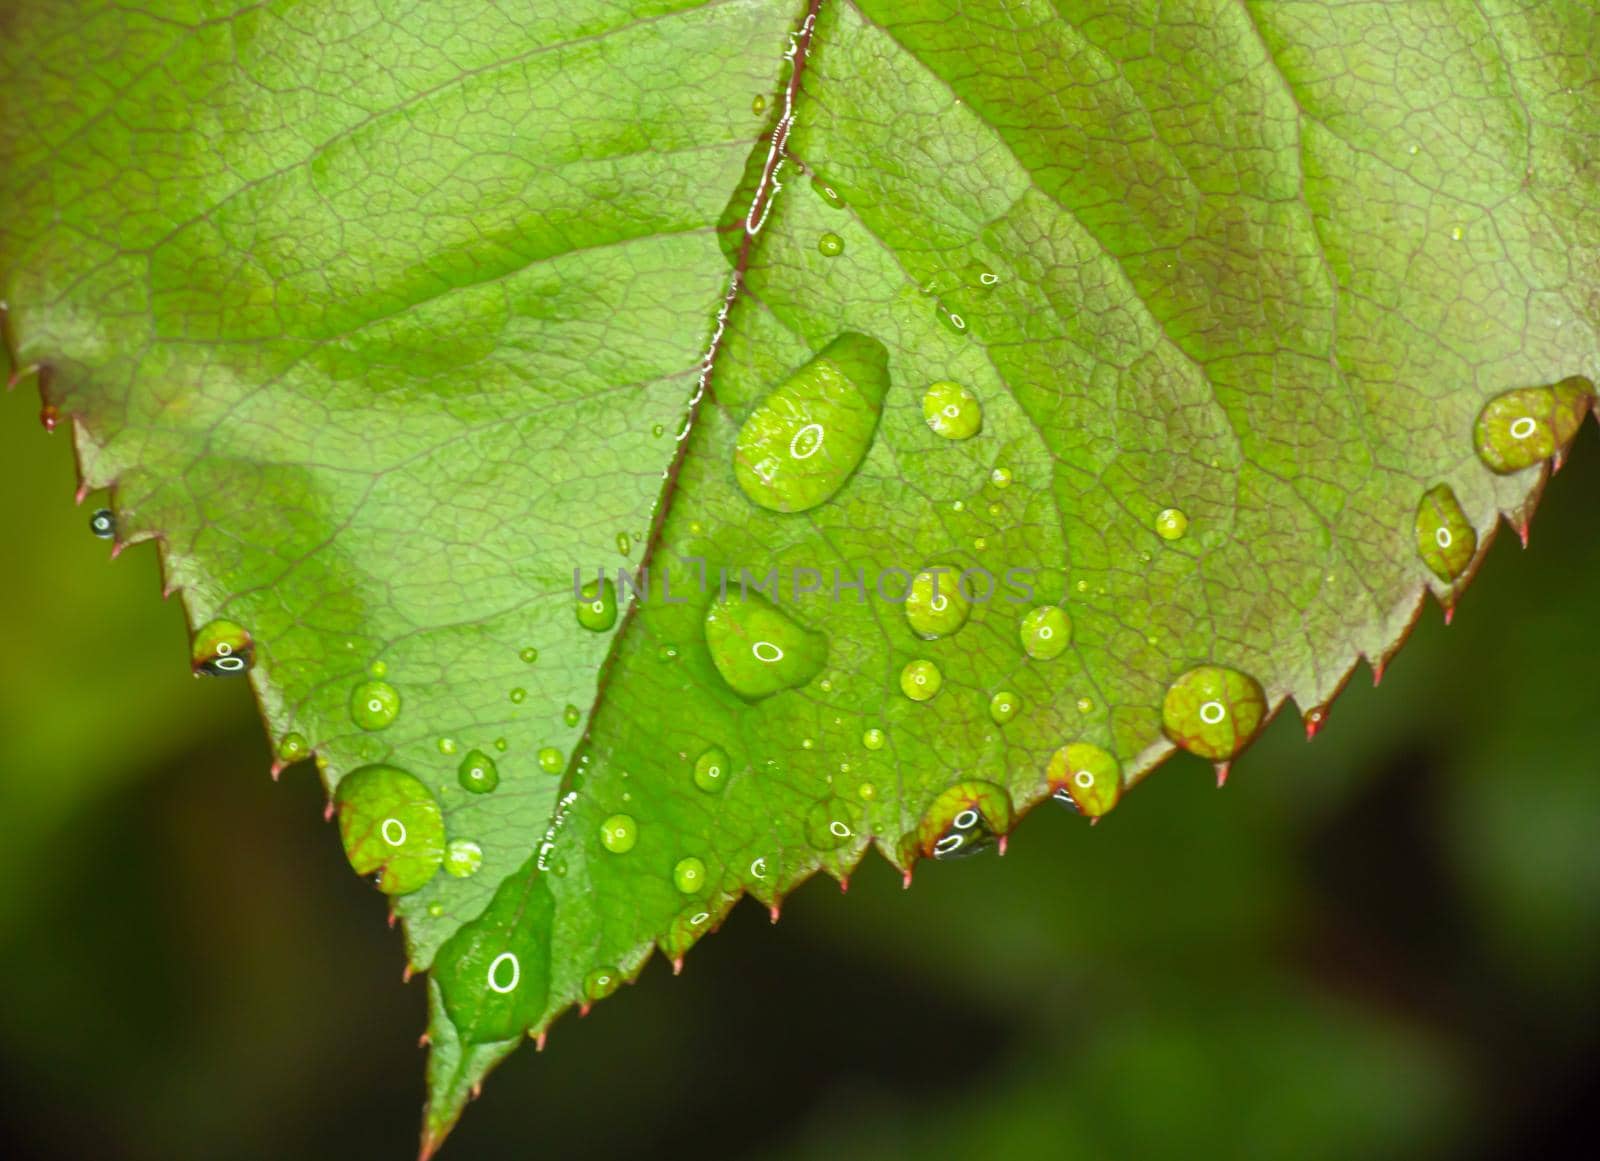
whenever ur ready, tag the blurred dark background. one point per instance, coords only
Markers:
(1385, 943)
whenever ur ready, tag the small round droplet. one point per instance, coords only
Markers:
(950, 320)
(477, 773)
(873, 739)
(951, 410)
(501, 744)
(920, 679)
(831, 823)
(1001, 477)
(867, 791)
(390, 824)
(600, 983)
(1446, 541)
(1003, 706)
(529, 655)
(571, 715)
(758, 104)
(517, 695)
(463, 858)
(103, 524)
(711, 769)
(1519, 428)
(935, 605)
(551, 760)
(689, 876)
(1213, 711)
(1085, 705)
(597, 610)
(1045, 632)
(667, 653)
(446, 745)
(435, 910)
(830, 245)
(374, 705)
(966, 818)
(618, 833)
(293, 747)
(222, 649)
(624, 544)
(1085, 778)
(1171, 524)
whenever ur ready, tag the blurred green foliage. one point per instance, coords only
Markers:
(1384, 943)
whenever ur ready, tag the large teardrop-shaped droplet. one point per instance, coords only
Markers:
(1085, 778)
(1213, 711)
(1517, 429)
(495, 972)
(391, 824)
(802, 442)
(759, 650)
(966, 818)
(1445, 539)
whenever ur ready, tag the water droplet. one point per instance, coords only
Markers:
(667, 653)
(830, 245)
(374, 705)
(598, 608)
(292, 747)
(1445, 540)
(478, 773)
(1517, 429)
(951, 410)
(1046, 632)
(222, 649)
(529, 655)
(802, 442)
(758, 105)
(1213, 711)
(873, 739)
(1003, 706)
(711, 769)
(1171, 523)
(618, 833)
(391, 825)
(867, 791)
(1085, 705)
(551, 761)
(435, 910)
(517, 695)
(501, 744)
(827, 193)
(981, 543)
(963, 820)
(759, 650)
(1000, 477)
(494, 973)
(624, 545)
(689, 876)
(920, 679)
(446, 745)
(831, 823)
(935, 605)
(600, 983)
(950, 320)
(103, 524)
(463, 858)
(1085, 778)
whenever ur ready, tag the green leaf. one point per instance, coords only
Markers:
(1157, 335)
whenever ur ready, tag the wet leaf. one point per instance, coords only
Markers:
(1162, 337)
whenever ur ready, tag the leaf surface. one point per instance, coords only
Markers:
(384, 320)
